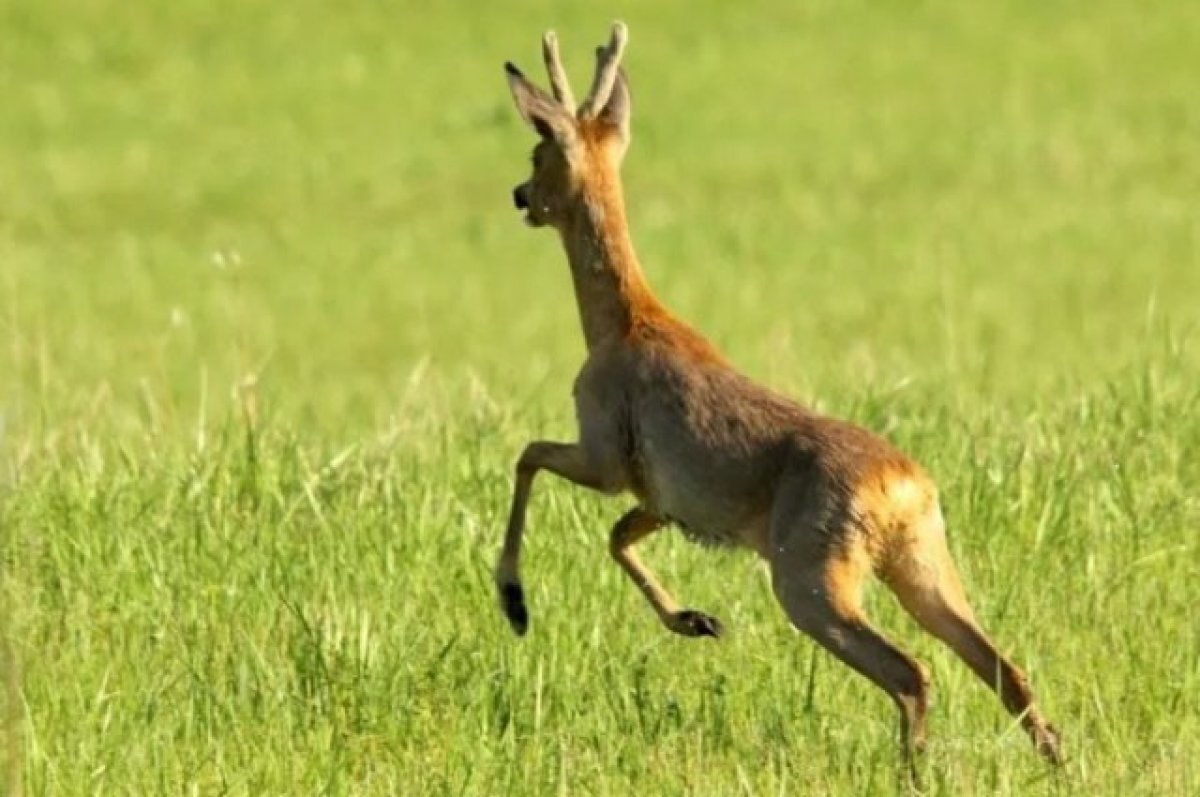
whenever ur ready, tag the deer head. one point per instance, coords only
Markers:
(581, 148)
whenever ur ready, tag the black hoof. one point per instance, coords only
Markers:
(512, 600)
(693, 623)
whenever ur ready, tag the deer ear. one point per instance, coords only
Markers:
(617, 110)
(539, 109)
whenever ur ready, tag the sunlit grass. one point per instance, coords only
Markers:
(271, 338)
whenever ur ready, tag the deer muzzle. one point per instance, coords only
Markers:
(521, 196)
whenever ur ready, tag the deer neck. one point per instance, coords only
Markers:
(610, 288)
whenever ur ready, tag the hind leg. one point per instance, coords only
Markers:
(822, 598)
(928, 587)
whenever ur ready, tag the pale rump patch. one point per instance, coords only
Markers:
(896, 510)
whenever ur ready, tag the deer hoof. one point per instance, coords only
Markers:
(1049, 744)
(692, 623)
(512, 600)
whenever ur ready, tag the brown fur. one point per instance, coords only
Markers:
(663, 415)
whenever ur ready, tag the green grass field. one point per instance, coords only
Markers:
(271, 337)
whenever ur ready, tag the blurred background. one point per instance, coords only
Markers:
(1000, 196)
(272, 335)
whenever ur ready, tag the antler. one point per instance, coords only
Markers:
(608, 59)
(558, 76)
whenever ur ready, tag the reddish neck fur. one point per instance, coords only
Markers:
(610, 289)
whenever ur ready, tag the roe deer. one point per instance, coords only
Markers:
(664, 416)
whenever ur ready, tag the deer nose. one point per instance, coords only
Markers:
(520, 200)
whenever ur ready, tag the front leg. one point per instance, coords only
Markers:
(567, 460)
(634, 526)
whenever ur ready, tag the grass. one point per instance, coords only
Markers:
(272, 339)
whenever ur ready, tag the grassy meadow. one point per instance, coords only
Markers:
(272, 336)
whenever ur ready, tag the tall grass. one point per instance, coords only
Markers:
(272, 339)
